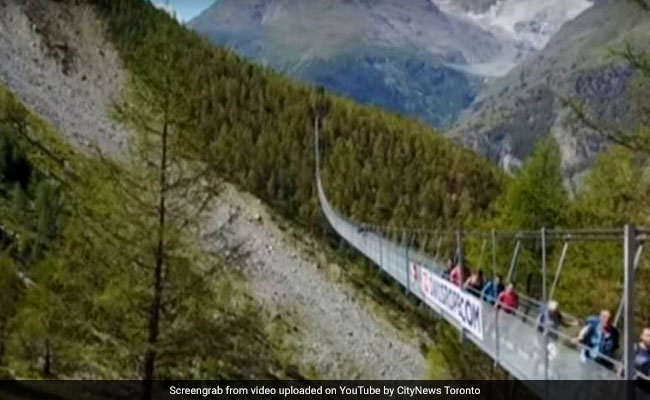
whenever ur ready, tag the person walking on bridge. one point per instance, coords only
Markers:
(459, 274)
(508, 299)
(551, 319)
(641, 360)
(492, 289)
(450, 267)
(642, 354)
(600, 338)
(474, 284)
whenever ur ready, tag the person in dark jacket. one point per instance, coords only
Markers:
(474, 284)
(641, 360)
(551, 319)
(450, 267)
(600, 338)
(642, 354)
(492, 289)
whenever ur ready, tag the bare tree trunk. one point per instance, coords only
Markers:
(156, 306)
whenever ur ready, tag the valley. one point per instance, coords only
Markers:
(428, 59)
(402, 58)
(495, 75)
(580, 64)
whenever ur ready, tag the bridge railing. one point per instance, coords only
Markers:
(511, 339)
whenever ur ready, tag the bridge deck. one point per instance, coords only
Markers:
(511, 340)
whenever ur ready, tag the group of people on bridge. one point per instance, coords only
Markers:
(598, 338)
(493, 291)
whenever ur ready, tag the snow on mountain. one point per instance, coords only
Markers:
(531, 23)
(406, 56)
(515, 111)
(423, 58)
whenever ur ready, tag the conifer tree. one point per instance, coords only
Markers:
(537, 197)
(10, 289)
(162, 110)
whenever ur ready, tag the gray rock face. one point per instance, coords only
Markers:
(408, 57)
(476, 6)
(516, 111)
(71, 82)
(530, 22)
(423, 58)
(320, 28)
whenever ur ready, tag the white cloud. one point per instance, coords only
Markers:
(169, 9)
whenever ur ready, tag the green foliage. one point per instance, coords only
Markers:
(14, 167)
(255, 127)
(616, 192)
(39, 337)
(77, 255)
(91, 252)
(10, 289)
(537, 198)
(90, 248)
(30, 220)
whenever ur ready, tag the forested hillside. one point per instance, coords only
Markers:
(86, 248)
(257, 128)
(77, 263)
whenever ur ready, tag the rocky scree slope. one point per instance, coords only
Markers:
(69, 81)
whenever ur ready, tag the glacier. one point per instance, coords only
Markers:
(530, 23)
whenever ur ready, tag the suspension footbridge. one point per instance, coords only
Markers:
(512, 339)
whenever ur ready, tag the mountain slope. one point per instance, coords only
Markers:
(283, 273)
(511, 115)
(531, 22)
(422, 58)
(401, 56)
(256, 129)
(67, 81)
